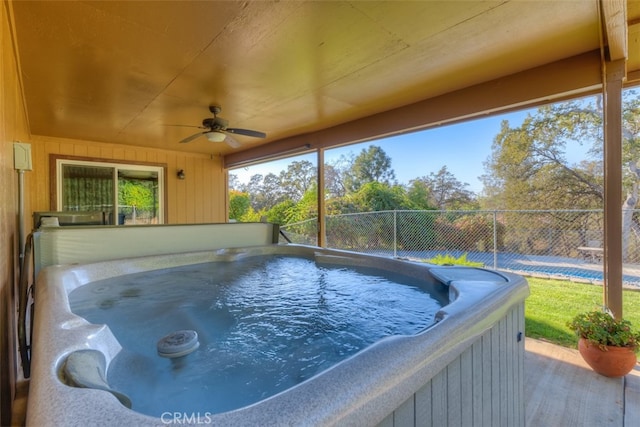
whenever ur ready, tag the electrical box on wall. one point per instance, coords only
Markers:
(22, 156)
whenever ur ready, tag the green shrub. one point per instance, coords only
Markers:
(603, 330)
(446, 259)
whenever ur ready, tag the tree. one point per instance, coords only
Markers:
(334, 179)
(239, 204)
(419, 193)
(234, 182)
(444, 190)
(280, 213)
(297, 179)
(371, 165)
(136, 193)
(528, 165)
(375, 196)
(271, 192)
(631, 156)
(305, 208)
(264, 191)
(254, 186)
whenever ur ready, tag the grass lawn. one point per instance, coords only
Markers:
(553, 303)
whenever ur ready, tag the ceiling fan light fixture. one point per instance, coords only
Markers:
(214, 136)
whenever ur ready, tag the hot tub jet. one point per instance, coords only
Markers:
(178, 344)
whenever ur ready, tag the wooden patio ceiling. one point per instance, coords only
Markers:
(305, 72)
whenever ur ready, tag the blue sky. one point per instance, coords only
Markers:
(462, 147)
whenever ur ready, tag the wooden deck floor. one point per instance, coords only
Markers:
(562, 391)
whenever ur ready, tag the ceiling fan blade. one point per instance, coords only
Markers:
(232, 142)
(192, 137)
(246, 132)
(186, 126)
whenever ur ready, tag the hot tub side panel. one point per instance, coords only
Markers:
(483, 386)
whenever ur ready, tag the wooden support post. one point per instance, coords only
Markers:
(614, 72)
(322, 237)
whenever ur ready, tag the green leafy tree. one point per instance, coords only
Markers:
(371, 165)
(445, 191)
(137, 193)
(265, 191)
(271, 192)
(375, 196)
(280, 213)
(239, 204)
(306, 207)
(528, 165)
(528, 169)
(253, 216)
(419, 193)
(297, 179)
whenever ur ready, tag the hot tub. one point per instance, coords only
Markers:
(466, 369)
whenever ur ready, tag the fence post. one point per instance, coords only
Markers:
(495, 240)
(395, 234)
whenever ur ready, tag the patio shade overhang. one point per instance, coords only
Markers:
(320, 73)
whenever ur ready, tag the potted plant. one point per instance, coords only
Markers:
(606, 344)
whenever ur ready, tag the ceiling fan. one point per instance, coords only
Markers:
(216, 130)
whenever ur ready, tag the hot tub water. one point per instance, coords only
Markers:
(264, 324)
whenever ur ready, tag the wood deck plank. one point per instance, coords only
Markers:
(632, 398)
(562, 390)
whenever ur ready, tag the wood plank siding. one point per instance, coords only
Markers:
(196, 199)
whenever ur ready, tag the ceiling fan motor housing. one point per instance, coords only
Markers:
(215, 123)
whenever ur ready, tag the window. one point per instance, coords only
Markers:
(127, 193)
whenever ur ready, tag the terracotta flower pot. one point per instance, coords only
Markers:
(615, 362)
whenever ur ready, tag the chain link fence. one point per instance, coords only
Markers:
(547, 243)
